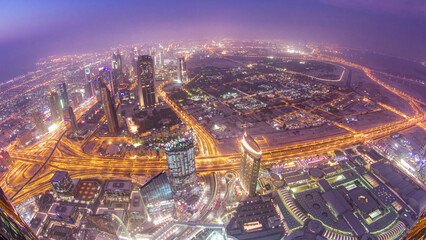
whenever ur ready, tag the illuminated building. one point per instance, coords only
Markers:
(55, 106)
(106, 78)
(181, 70)
(118, 60)
(12, 226)
(64, 95)
(89, 88)
(146, 81)
(63, 212)
(118, 190)
(39, 122)
(161, 58)
(109, 108)
(249, 165)
(124, 94)
(181, 165)
(256, 218)
(61, 182)
(5, 160)
(70, 119)
(414, 195)
(158, 198)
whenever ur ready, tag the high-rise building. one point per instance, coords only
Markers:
(118, 60)
(124, 94)
(64, 95)
(88, 90)
(39, 122)
(158, 198)
(106, 77)
(55, 106)
(181, 164)
(249, 165)
(70, 120)
(12, 226)
(91, 85)
(109, 108)
(61, 182)
(161, 57)
(5, 160)
(146, 81)
(181, 70)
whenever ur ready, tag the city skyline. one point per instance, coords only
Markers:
(54, 28)
(213, 120)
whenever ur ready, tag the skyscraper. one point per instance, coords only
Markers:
(181, 163)
(181, 70)
(70, 119)
(64, 95)
(109, 108)
(89, 82)
(158, 198)
(117, 58)
(105, 77)
(12, 226)
(55, 106)
(146, 81)
(88, 90)
(249, 165)
(39, 122)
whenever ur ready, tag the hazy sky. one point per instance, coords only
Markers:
(35, 28)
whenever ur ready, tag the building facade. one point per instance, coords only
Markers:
(64, 95)
(109, 108)
(61, 182)
(39, 122)
(157, 196)
(70, 119)
(12, 226)
(181, 70)
(146, 81)
(249, 165)
(55, 106)
(181, 164)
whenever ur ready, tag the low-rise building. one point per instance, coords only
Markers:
(118, 190)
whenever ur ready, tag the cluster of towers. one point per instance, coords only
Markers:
(60, 109)
(105, 87)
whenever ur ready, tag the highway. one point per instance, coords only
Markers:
(69, 156)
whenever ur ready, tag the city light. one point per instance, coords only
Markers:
(244, 130)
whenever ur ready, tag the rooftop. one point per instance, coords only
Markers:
(59, 176)
(118, 185)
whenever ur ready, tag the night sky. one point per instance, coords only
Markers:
(36, 28)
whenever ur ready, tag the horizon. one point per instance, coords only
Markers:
(33, 30)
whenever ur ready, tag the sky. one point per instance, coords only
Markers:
(31, 29)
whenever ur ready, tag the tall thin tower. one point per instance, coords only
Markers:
(146, 81)
(181, 70)
(55, 106)
(109, 108)
(39, 122)
(249, 165)
(64, 95)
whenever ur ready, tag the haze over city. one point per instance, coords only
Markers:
(216, 120)
(33, 29)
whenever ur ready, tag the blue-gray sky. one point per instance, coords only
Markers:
(30, 29)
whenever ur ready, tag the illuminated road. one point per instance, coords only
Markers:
(68, 155)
